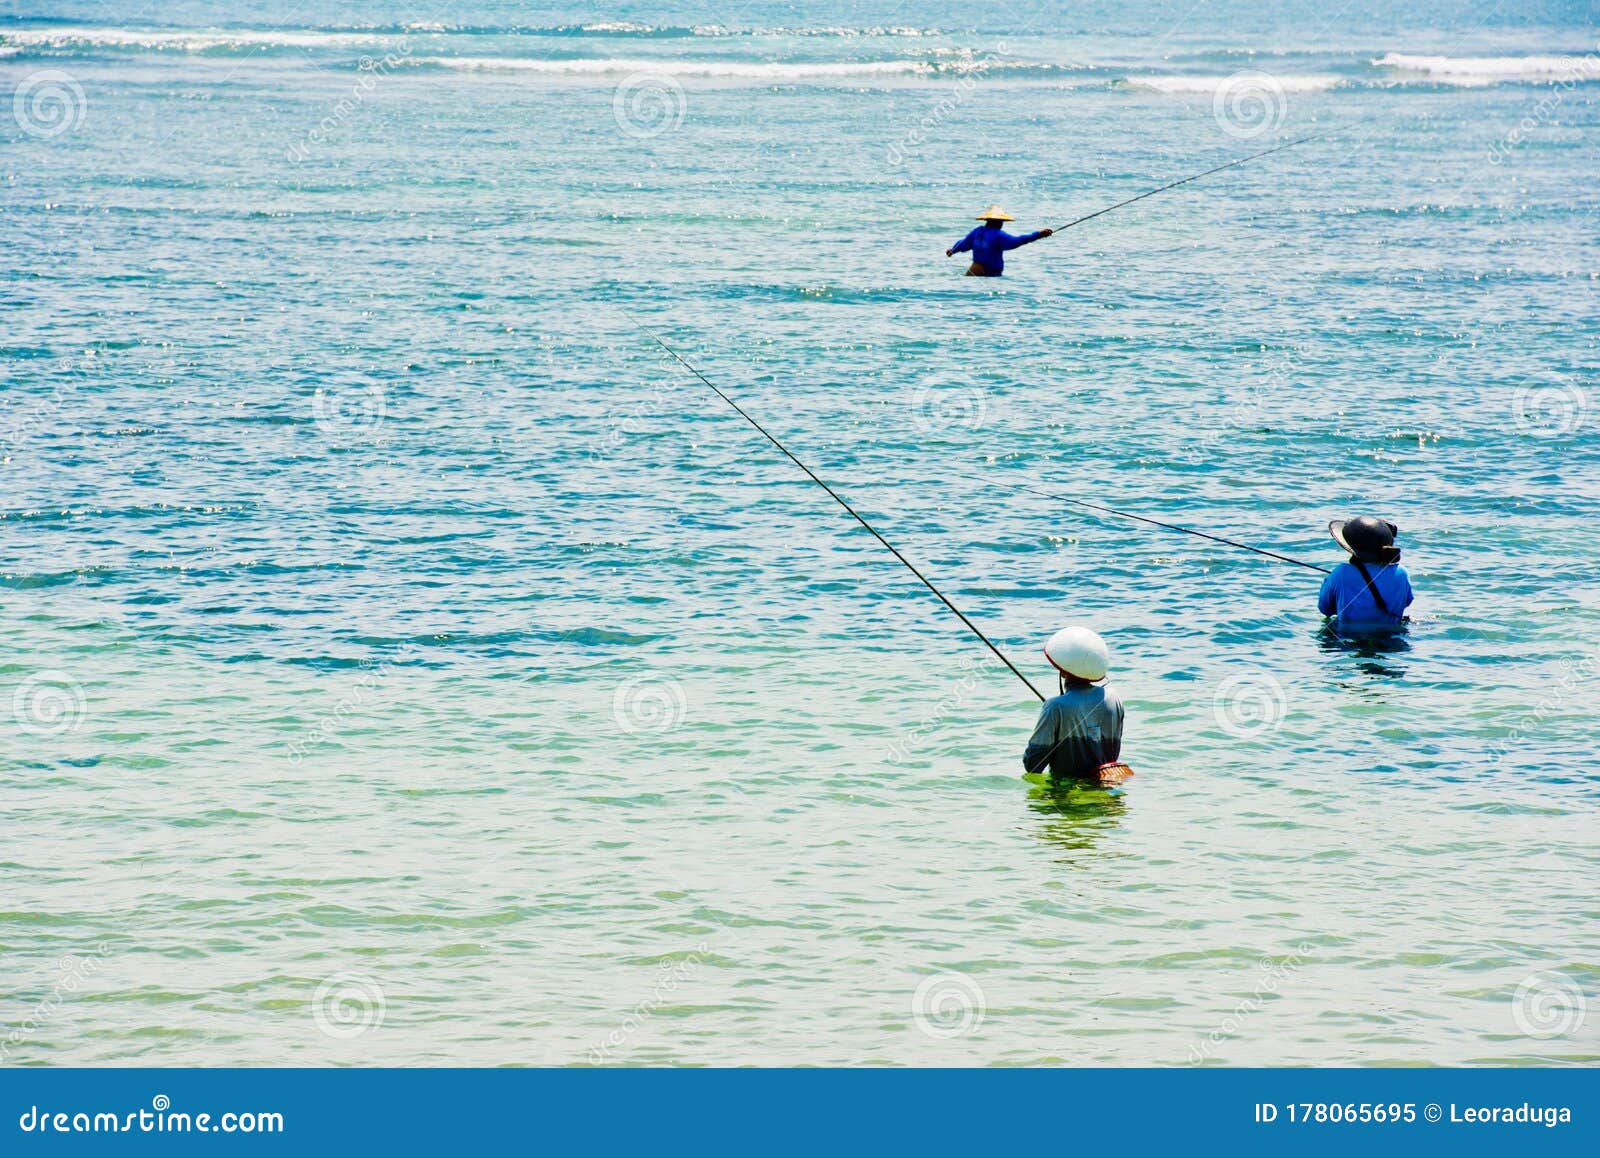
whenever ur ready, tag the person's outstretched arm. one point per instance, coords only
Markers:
(961, 246)
(1009, 242)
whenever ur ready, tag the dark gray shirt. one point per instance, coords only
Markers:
(1078, 731)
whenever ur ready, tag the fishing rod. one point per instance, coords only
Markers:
(1154, 523)
(812, 475)
(1185, 181)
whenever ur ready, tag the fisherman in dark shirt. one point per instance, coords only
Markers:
(1079, 733)
(988, 243)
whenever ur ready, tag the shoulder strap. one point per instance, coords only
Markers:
(1377, 597)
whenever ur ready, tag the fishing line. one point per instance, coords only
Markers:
(812, 475)
(1185, 181)
(1153, 522)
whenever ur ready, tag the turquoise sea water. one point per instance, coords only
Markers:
(405, 663)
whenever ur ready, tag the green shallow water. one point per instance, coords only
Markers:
(409, 666)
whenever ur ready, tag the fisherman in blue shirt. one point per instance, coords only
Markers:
(1372, 591)
(988, 243)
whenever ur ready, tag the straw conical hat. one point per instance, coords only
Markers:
(995, 213)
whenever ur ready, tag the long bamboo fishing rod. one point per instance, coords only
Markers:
(1185, 181)
(812, 475)
(1152, 522)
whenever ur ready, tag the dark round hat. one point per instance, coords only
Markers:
(1366, 538)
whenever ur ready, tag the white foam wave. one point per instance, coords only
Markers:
(1479, 70)
(629, 28)
(1212, 84)
(878, 30)
(751, 70)
(617, 26)
(204, 39)
(187, 40)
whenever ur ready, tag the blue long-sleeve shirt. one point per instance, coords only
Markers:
(988, 246)
(1345, 596)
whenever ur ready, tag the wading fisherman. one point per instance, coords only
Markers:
(988, 243)
(1079, 734)
(1372, 591)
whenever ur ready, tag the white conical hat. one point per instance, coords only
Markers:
(1079, 652)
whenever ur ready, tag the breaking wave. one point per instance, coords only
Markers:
(524, 50)
(752, 70)
(183, 40)
(1211, 84)
(1481, 70)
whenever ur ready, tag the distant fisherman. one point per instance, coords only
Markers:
(988, 243)
(1079, 734)
(1372, 591)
